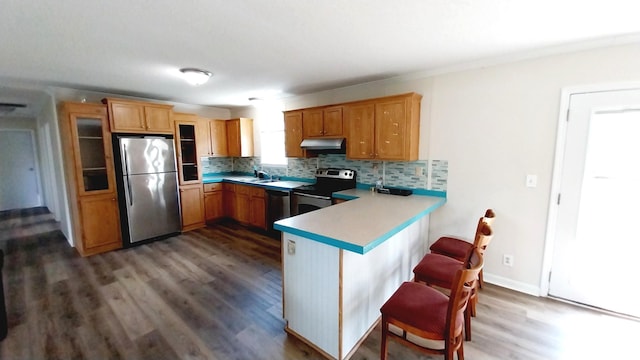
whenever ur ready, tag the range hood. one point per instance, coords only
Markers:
(323, 144)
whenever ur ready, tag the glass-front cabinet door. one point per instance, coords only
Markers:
(186, 148)
(94, 165)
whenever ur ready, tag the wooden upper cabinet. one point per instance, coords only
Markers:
(312, 123)
(240, 137)
(85, 131)
(218, 138)
(293, 134)
(332, 124)
(320, 122)
(385, 129)
(397, 128)
(158, 118)
(360, 125)
(212, 136)
(139, 117)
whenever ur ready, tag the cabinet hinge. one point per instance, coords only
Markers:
(559, 195)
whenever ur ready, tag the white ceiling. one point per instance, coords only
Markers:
(259, 48)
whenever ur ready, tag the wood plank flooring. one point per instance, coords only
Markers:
(215, 293)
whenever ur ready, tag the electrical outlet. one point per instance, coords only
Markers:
(532, 181)
(291, 247)
(419, 171)
(507, 260)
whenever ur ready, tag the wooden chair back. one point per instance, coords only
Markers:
(484, 235)
(464, 284)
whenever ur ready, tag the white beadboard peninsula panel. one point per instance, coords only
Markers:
(311, 291)
(369, 280)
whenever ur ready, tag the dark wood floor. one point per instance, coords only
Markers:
(215, 293)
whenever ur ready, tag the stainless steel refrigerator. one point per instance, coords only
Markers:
(147, 187)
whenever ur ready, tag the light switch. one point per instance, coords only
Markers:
(532, 181)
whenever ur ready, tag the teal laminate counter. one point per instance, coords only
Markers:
(363, 223)
(342, 262)
(285, 184)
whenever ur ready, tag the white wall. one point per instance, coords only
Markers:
(495, 125)
(52, 166)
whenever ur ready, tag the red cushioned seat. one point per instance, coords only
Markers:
(427, 320)
(452, 247)
(460, 249)
(436, 269)
(422, 307)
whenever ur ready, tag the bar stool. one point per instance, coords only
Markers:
(439, 270)
(459, 249)
(425, 319)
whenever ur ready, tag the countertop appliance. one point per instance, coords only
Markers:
(147, 187)
(328, 180)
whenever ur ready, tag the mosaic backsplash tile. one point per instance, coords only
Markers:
(421, 174)
(439, 174)
(216, 165)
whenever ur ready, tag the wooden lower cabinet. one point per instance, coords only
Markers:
(229, 200)
(258, 208)
(213, 202)
(192, 207)
(100, 224)
(243, 198)
(250, 206)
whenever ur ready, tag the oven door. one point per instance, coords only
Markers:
(304, 203)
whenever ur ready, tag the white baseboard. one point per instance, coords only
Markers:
(512, 284)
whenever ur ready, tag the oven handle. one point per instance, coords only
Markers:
(312, 196)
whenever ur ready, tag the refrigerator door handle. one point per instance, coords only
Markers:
(126, 166)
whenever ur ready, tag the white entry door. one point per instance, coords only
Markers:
(597, 240)
(18, 176)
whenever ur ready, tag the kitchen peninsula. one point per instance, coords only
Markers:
(342, 262)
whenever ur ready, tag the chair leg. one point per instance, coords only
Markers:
(461, 352)
(481, 278)
(448, 353)
(472, 304)
(383, 341)
(467, 324)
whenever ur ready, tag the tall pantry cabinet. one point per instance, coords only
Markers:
(89, 168)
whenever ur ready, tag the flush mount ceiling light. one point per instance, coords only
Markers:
(195, 76)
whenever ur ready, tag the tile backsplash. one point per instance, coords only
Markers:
(421, 174)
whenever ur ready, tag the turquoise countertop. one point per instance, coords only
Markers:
(363, 223)
(284, 183)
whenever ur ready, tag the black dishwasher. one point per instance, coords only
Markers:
(278, 207)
